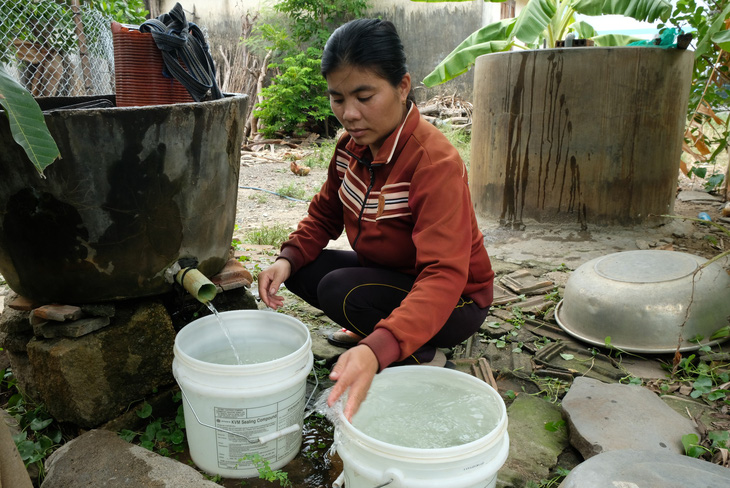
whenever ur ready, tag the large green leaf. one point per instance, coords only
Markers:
(722, 39)
(644, 10)
(495, 37)
(583, 30)
(715, 31)
(533, 19)
(27, 123)
(444, 1)
(608, 40)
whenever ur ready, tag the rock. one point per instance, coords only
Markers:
(642, 244)
(92, 379)
(233, 275)
(99, 309)
(679, 228)
(76, 328)
(23, 373)
(607, 417)
(20, 303)
(646, 469)
(321, 349)
(100, 458)
(533, 449)
(14, 321)
(685, 405)
(59, 313)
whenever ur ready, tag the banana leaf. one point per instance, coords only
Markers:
(644, 10)
(534, 19)
(27, 124)
(583, 30)
(608, 40)
(541, 19)
(722, 39)
(716, 31)
(495, 37)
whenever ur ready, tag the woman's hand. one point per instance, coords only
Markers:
(355, 370)
(270, 280)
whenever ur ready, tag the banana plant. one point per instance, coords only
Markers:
(543, 20)
(27, 124)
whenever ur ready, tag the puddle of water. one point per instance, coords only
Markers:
(313, 467)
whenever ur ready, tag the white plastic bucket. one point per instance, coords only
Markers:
(233, 411)
(370, 463)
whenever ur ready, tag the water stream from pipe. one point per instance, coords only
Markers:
(225, 331)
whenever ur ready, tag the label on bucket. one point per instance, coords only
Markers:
(254, 423)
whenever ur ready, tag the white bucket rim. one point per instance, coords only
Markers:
(240, 369)
(427, 455)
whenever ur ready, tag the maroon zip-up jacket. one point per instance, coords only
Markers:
(408, 209)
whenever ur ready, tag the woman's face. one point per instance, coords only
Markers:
(366, 104)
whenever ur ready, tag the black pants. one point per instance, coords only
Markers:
(357, 298)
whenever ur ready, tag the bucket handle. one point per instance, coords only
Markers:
(340, 482)
(264, 438)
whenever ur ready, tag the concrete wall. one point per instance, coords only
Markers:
(430, 31)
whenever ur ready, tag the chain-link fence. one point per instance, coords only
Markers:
(56, 49)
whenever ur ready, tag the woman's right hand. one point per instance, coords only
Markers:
(270, 280)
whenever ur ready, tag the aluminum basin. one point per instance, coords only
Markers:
(646, 301)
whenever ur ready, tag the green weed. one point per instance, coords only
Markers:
(39, 435)
(460, 139)
(273, 235)
(321, 155)
(260, 197)
(292, 190)
(715, 441)
(163, 436)
(558, 476)
(265, 471)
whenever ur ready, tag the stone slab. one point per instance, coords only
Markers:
(233, 275)
(646, 469)
(99, 309)
(697, 196)
(533, 448)
(503, 296)
(523, 282)
(101, 458)
(608, 417)
(532, 304)
(77, 328)
(93, 378)
(20, 303)
(59, 313)
(576, 359)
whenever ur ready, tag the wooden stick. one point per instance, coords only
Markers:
(487, 372)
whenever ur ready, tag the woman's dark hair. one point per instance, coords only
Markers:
(366, 43)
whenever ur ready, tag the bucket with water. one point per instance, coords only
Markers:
(234, 412)
(424, 427)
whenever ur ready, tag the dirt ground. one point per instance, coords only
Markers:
(539, 244)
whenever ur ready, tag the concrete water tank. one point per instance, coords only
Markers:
(583, 136)
(135, 190)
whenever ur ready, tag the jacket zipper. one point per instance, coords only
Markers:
(371, 171)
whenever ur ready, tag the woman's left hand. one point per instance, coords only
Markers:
(355, 370)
